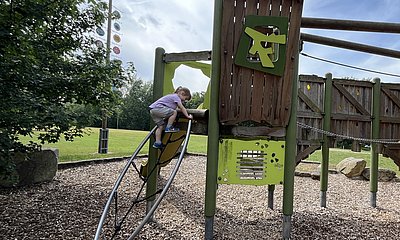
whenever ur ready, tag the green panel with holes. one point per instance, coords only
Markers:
(251, 162)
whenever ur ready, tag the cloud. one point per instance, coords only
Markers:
(372, 10)
(180, 26)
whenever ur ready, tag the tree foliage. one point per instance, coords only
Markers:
(48, 63)
(134, 113)
(197, 99)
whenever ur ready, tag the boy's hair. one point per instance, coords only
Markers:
(185, 91)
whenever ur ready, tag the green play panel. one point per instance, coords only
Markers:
(251, 162)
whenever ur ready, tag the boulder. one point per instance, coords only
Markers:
(384, 175)
(351, 167)
(33, 168)
(316, 175)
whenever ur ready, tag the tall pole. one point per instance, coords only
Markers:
(158, 86)
(213, 126)
(290, 153)
(325, 144)
(103, 137)
(376, 98)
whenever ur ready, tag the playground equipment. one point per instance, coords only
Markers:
(122, 200)
(255, 125)
(244, 91)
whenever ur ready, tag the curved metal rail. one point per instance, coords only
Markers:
(162, 194)
(167, 185)
(118, 182)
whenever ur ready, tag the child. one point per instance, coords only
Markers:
(165, 109)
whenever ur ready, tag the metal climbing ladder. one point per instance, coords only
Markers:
(123, 199)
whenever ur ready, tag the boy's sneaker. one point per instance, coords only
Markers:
(157, 145)
(172, 130)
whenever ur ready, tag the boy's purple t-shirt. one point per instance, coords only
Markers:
(170, 101)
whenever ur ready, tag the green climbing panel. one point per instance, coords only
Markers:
(251, 162)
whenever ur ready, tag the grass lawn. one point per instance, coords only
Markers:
(120, 143)
(123, 143)
(336, 155)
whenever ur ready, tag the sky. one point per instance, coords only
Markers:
(186, 25)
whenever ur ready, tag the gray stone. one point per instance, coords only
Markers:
(384, 175)
(33, 168)
(351, 167)
(316, 175)
(302, 174)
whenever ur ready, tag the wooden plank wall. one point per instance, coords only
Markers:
(250, 95)
(351, 110)
(309, 111)
(390, 111)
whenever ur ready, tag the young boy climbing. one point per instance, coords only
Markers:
(164, 110)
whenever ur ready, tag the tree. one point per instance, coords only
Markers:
(48, 63)
(134, 109)
(197, 99)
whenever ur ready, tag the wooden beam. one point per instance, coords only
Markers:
(392, 97)
(304, 154)
(308, 101)
(351, 99)
(348, 117)
(253, 132)
(187, 56)
(350, 25)
(349, 45)
(197, 113)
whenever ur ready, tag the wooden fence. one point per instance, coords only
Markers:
(350, 113)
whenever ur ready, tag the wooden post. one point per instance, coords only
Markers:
(213, 125)
(325, 144)
(376, 97)
(290, 157)
(151, 186)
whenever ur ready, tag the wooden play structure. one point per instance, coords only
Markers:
(244, 91)
(252, 100)
(261, 117)
(256, 100)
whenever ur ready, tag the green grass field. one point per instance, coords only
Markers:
(336, 155)
(123, 143)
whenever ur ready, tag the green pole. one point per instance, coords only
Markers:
(271, 189)
(376, 102)
(290, 156)
(213, 124)
(325, 144)
(151, 186)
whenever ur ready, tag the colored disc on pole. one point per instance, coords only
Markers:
(116, 50)
(117, 38)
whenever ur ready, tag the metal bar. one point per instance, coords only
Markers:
(118, 182)
(349, 45)
(350, 25)
(167, 185)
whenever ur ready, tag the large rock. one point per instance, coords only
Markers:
(384, 175)
(33, 168)
(351, 167)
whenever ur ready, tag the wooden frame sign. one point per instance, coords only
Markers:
(262, 45)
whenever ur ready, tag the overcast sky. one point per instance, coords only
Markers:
(186, 25)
